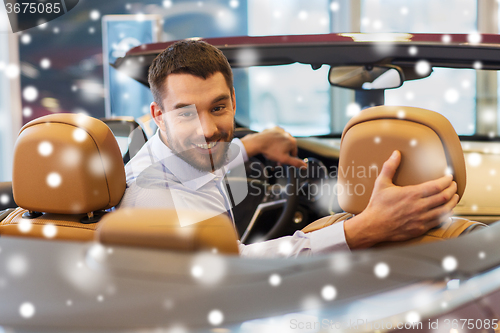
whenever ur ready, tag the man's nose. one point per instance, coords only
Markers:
(208, 126)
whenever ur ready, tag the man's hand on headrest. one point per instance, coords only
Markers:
(275, 144)
(397, 213)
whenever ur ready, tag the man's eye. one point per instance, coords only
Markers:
(186, 114)
(218, 108)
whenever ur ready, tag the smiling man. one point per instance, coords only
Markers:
(199, 133)
(183, 166)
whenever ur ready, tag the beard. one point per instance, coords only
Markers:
(204, 162)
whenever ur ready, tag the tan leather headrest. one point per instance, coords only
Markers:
(160, 228)
(429, 148)
(67, 164)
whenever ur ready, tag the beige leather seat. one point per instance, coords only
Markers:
(160, 228)
(429, 147)
(67, 169)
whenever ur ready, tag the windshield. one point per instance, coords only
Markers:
(301, 100)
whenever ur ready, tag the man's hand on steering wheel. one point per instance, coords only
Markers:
(275, 144)
(397, 213)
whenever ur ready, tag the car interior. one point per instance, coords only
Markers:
(94, 253)
(79, 177)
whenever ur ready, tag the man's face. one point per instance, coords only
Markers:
(197, 119)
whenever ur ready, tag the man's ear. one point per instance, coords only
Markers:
(233, 100)
(157, 115)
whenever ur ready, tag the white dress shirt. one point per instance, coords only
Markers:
(156, 177)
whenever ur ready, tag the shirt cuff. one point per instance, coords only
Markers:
(238, 142)
(329, 239)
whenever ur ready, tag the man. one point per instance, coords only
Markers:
(184, 164)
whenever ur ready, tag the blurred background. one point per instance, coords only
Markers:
(62, 65)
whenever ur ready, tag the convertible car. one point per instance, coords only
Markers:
(70, 262)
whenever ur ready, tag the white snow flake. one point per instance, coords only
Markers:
(377, 25)
(275, 280)
(30, 93)
(24, 226)
(197, 271)
(449, 263)
(423, 67)
(49, 230)
(381, 270)
(208, 269)
(94, 15)
(303, 15)
(285, 247)
(329, 293)
(215, 317)
(54, 179)
(27, 310)
(474, 37)
(353, 109)
(42, 24)
(340, 263)
(45, 63)
(412, 317)
(12, 71)
(334, 6)
(27, 112)
(310, 303)
(474, 159)
(451, 96)
(17, 265)
(26, 38)
(4, 199)
(79, 135)
(45, 148)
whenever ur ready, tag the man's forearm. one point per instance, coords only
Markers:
(252, 144)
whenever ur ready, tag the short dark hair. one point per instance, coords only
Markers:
(193, 57)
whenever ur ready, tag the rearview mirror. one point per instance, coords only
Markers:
(366, 77)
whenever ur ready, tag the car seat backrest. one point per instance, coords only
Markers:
(429, 146)
(161, 229)
(67, 164)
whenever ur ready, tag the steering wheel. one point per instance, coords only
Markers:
(271, 196)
